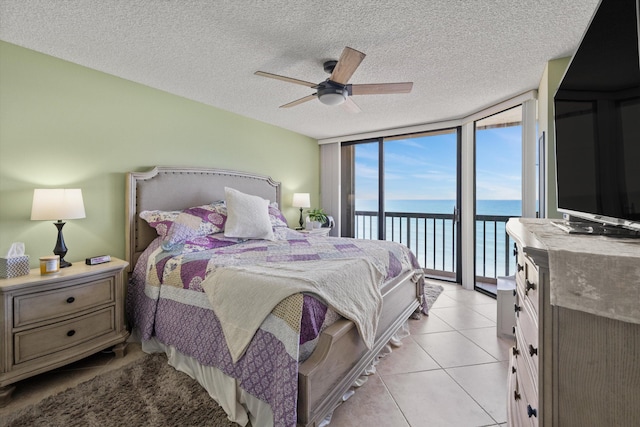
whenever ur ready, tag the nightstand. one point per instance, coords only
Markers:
(50, 321)
(324, 231)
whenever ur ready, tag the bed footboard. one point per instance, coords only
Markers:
(341, 356)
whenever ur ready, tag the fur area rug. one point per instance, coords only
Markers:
(147, 392)
(431, 292)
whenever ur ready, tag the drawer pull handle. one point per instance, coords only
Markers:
(513, 369)
(532, 350)
(532, 412)
(70, 300)
(529, 286)
(515, 351)
(513, 330)
(516, 395)
(520, 267)
(71, 333)
(517, 308)
(515, 250)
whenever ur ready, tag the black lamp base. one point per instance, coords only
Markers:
(61, 248)
(301, 222)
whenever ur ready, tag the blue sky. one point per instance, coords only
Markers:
(425, 167)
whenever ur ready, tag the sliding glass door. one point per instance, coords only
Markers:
(498, 193)
(405, 189)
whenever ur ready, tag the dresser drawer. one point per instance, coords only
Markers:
(531, 284)
(527, 327)
(513, 415)
(43, 306)
(45, 340)
(523, 397)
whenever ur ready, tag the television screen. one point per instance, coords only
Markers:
(597, 121)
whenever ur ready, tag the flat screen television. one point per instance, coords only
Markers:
(597, 121)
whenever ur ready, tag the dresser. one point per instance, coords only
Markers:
(51, 320)
(576, 358)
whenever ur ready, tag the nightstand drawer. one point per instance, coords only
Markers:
(42, 306)
(49, 339)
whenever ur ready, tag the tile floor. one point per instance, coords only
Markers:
(451, 371)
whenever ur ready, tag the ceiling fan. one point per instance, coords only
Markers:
(335, 90)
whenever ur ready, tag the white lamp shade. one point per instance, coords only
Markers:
(301, 200)
(57, 204)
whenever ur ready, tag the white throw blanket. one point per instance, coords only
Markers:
(243, 296)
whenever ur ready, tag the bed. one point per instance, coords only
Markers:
(300, 361)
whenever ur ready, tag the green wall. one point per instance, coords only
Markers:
(64, 125)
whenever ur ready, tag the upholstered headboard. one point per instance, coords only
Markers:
(171, 188)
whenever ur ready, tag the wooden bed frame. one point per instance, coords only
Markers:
(340, 356)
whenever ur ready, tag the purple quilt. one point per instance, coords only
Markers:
(166, 301)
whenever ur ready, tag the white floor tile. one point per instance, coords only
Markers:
(487, 385)
(461, 317)
(428, 324)
(433, 398)
(451, 349)
(410, 357)
(487, 339)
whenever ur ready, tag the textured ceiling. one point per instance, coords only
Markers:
(462, 55)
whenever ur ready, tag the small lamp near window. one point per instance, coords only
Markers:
(301, 200)
(58, 204)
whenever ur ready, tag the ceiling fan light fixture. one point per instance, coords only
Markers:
(332, 95)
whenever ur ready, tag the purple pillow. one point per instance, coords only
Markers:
(176, 227)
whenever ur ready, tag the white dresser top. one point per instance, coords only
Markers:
(594, 274)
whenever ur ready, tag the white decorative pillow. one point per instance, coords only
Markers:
(247, 216)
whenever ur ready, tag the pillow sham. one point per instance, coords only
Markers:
(276, 217)
(160, 220)
(247, 216)
(176, 227)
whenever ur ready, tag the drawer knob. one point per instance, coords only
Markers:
(515, 351)
(532, 412)
(515, 250)
(529, 286)
(517, 308)
(532, 350)
(513, 369)
(520, 267)
(516, 395)
(70, 300)
(71, 333)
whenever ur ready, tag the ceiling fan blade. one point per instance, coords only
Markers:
(349, 61)
(381, 88)
(351, 106)
(299, 101)
(285, 79)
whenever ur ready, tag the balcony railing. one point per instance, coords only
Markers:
(432, 238)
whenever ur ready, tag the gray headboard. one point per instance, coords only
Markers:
(175, 188)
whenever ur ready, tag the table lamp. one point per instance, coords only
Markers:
(58, 204)
(301, 200)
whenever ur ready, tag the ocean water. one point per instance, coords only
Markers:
(483, 207)
(433, 242)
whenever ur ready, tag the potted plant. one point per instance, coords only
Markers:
(317, 217)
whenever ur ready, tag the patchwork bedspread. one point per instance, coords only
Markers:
(166, 300)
